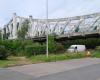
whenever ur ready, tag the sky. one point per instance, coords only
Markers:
(37, 8)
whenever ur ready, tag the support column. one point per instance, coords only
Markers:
(30, 26)
(14, 25)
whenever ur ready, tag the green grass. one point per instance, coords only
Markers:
(96, 54)
(16, 61)
(53, 57)
(6, 63)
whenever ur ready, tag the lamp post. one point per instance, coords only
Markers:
(47, 28)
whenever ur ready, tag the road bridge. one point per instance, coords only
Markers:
(61, 27)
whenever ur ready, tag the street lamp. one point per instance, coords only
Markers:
(47, 28)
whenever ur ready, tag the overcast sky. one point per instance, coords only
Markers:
(37, 8)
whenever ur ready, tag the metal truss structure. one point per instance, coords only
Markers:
(62, 27)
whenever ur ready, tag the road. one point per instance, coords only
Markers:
(77, 69)
(85, 73)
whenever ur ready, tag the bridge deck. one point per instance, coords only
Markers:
(71, 36)
(78, 34)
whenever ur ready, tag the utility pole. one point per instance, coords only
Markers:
(47, 28)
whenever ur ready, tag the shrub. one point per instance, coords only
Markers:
(29, 50)
(18, 47)
(35, 49)
(15, 47)
(3, 52)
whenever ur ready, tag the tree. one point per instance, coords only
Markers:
(24, 29)
(52, 46)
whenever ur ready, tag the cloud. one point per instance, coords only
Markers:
(37, 8)
(76, 8)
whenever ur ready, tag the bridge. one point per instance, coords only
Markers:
(62, 27)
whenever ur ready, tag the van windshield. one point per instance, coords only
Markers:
(72, 47)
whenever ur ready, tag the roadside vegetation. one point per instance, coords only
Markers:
(22, 52)
(18, 61)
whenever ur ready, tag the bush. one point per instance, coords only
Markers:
(29, 50)
(3, 52)
(15, 47)
(35, 49)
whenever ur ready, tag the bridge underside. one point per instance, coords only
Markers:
(61, 39)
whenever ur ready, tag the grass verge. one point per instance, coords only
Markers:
(17, 61)
(52, 57)
(14, 61)
(96, 53)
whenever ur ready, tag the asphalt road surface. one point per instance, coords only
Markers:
(78, 69)
(6, 74)
(85, 73)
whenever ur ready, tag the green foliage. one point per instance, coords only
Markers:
(53, 46)
(18, 61)
(75, 55)
(53, 57)
(3, 52)
(28, 48)
(23, 47)
(24, 29)
(35, 49)
(95, 53)
(16, 47)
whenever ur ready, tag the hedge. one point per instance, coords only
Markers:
(15, 46)
(35, 49)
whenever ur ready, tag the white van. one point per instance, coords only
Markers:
(76, 48)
